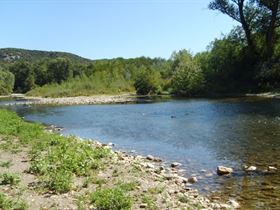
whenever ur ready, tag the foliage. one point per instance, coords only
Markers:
(7, 81)
(11, 204)
(24, 76)
(111, 198)
(188, 78)
(147, 82)
(58, 70)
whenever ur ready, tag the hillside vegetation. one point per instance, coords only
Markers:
(244, 61)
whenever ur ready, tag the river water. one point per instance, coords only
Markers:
(199, 133)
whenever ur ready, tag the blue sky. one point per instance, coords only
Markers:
(111, 28)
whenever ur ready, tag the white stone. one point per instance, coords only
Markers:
(222, 170)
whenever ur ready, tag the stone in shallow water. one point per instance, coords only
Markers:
(222, 170)
(175, 164)
(272, 168)
(192, 180)
(251, 168)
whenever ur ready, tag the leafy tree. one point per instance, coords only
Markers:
(7, 81)
(258, 18)
(24, 76)
(59, 70)
(147, 81)
(188, 78)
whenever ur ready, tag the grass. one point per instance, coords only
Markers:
(9, 179)
(150, 202)
(6, 164)
(111, 198)
(55, 159)
(11, 204)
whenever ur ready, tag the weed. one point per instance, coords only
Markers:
(156, 190)
(129, 186)
(150, 202)
(11, 204)
(113, 199)
(10, 179)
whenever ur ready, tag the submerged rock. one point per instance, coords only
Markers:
(192, 180)
(222, 170)
(152, 158)
(175, 164)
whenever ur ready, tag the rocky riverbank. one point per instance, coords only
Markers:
(44, 170)
(266, 95)
(98, 99)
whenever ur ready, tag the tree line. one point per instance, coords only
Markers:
(245, 60)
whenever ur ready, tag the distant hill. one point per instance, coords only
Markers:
(10, 55)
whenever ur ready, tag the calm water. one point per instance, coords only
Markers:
(200, 133)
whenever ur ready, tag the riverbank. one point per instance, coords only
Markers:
(43, 170)
(112, 99)
(265, 95)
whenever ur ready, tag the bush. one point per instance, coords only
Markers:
(113, 199)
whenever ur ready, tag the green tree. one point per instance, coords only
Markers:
(59, 70)
(24, 76)
(7, 81)
(258, 18)
(147, 81)
(188, 78)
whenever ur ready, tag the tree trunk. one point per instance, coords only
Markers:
(270, 35)
(246, 27)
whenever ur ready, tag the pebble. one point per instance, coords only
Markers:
(272, 168)
(149, 165)
(143, 205)
(234, 204)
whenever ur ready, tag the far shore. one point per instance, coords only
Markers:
(114, 99)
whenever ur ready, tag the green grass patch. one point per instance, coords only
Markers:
(11, 204)
(54, 158)
(112, 198)
(9, 179)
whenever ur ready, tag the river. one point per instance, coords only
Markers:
(199, 133)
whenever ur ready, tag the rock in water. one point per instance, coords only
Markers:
(192, 180)
(175, 164)
(222, 170)
(251, 168)
(272, 168)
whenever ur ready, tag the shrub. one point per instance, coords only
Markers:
(113, 199)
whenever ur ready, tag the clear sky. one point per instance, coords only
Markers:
(111, 28)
